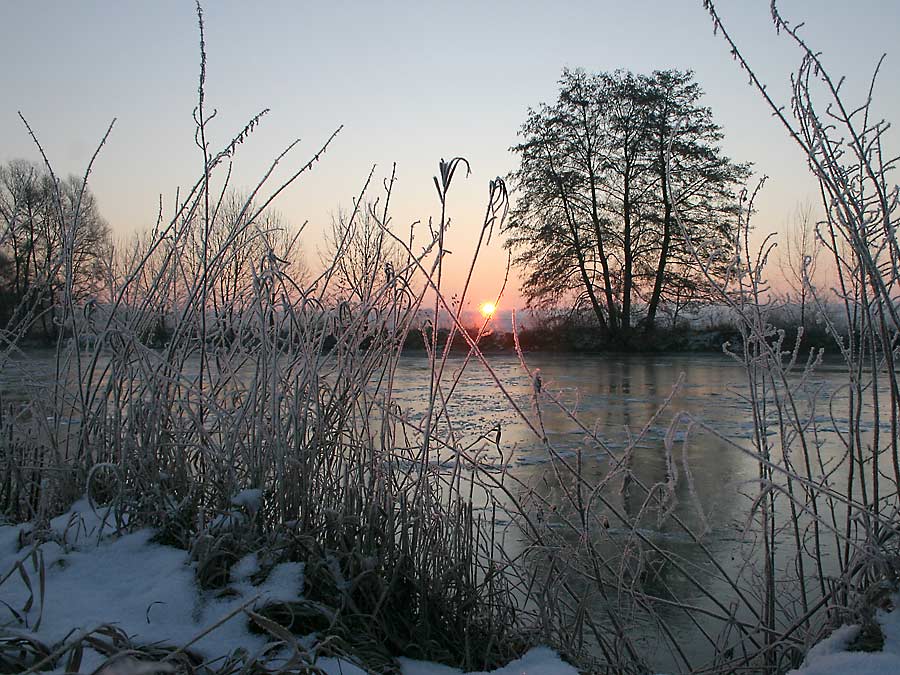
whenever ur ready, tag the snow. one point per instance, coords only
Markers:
(538, 661)
(94, 576)
(145, 589)
(830, 657)
(250, 499)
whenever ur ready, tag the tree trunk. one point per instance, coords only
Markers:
(611, 308)
(582, 267)
(663, 258)
(627, 253)
(605, 325)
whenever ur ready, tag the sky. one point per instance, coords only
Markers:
(412, 82)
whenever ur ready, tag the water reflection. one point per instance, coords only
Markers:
(638, 410)
(619, 399)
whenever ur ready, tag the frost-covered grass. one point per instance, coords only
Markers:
(265, 426)
(236, 405)
(84, 593)
(232, 422)
(144, 589)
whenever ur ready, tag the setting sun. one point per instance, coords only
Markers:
(487, 309)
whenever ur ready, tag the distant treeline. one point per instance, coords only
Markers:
(574, 336)
(53, 240)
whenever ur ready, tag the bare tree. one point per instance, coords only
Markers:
(362, 253)
(44, 225)
(594, 216)
(800, 258)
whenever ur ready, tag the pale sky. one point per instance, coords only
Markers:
(411, 82)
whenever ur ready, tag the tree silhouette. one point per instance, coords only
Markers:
(39, 220)
(600, 172)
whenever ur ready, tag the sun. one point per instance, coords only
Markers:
(487, 309)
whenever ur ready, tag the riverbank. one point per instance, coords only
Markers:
(573, 338)
(87, 594)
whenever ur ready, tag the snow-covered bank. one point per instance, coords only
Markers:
(539, 661)
(830, 657)
(93, 578)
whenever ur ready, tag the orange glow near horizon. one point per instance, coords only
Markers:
(487, 309)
